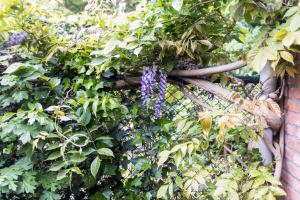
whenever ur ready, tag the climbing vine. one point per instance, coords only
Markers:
(69, 82)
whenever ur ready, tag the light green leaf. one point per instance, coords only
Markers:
(277, 191)
(137, 51)
(295, 25)
(287, 56)
(177, 4)
(14, 68)
(95, 105)
(54, 155)
(95, 166)
(163, 157)
(106, 152)
(289, 39)
(264, 55)
(162, 191)
(57, 166)
(62, 174)
(178, 158)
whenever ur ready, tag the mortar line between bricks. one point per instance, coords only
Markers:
(293, 99)
(292, 176)
(290, 161)
(295, 138)
(295, 112)
(290, 186)
(298, 165)
(291, 149)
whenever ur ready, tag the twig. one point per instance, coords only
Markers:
(232, 153)
(189, 94)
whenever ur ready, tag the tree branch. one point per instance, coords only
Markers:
(271, 118)
(209, 70)
(189, 94)
(277, 155)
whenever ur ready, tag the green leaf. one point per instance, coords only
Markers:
(277, 191)
(54, 155)
(95, 106)
(57, 166)
(178, 158)
(137, 51)
(47, 195)
(163, 157)
(54, 82)
(287, 56)
(180, 125)
(62, 174)
(106, 152)
(14, 68)
(162, 191)
(95, 166)
(177, 4)
(264, 55)
(295, 25)
(289, 39)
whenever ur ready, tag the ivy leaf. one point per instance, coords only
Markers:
(177, 4)
(95, 166)
(287, 56)
(106, 152)
(162, 191)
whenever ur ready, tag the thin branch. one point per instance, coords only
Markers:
(272, 119)
(277, 155)
(232, 153)
(209, 70)
(189, 94)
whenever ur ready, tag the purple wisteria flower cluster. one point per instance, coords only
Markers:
(150, 78)
(15, 39)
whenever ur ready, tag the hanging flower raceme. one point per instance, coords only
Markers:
(16, 39)
(150, 78)
(161, 93)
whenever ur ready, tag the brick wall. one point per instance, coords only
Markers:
(291, 162)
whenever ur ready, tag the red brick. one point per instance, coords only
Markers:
(292, 130)
(293, 118)
(294, 93)
(294, 81)
(293, 105)
(290, 180)
(293, 143)
(292, 168)
(291, 193)
(292, 155)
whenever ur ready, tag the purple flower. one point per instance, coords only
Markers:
(161, 93)
(16, 39)
(149, 82)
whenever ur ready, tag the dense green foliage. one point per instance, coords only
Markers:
(61, 130)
